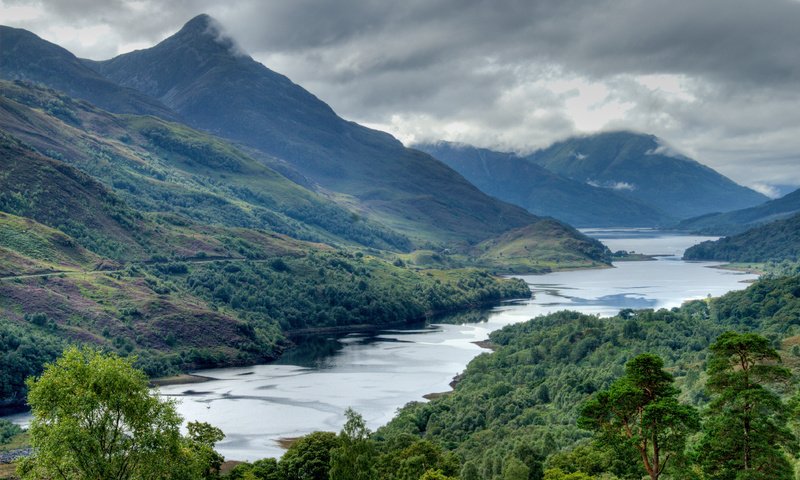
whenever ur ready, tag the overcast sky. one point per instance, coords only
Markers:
(717, 79)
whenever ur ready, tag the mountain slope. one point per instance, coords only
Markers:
(25, 56)
(774, 241)
(159, 166)
(200, 73)
(519, 181)
(730, 223)
(642, 167)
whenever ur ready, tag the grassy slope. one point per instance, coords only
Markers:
(775, 241)
(160, 166)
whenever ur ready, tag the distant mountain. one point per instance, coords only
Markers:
(774, 241)
(520, 181)
(25, 56)
(202, 75)
(730, 223)
(645, 168)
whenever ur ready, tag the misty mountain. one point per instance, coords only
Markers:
(643, 167)
(25, 56)
(201, 74)
(520, 181)
(730, 223)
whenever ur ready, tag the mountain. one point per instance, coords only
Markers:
(774, 241)
(25, 56)
(201, 74)
(518, 180)
(645, 168)
(160, 166)
(730, 223)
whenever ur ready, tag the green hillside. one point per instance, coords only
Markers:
(520, 403)
(775, 241)
(730, 223)
(543, 246)
(644, 168)
(518, 180)
(158, 166)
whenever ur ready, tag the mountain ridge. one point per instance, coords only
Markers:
(232, 95)
(518, 180)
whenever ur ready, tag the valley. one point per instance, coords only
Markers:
(207, 271)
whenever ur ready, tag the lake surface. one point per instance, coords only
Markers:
(311, 386)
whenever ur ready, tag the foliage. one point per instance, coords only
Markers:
(94, 417)
(641, 411)
(775, 241)
(309, 457)
(522, 400)
(746, 434)
(23, 352)
(354, 458)
(7, 431)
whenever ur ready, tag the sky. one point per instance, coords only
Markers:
(718, 80)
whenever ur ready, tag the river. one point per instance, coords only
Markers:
(311, 386)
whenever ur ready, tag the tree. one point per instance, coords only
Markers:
(309, 457)
(354, 459)
(640, 411)
(745, 435)
(201, 440)
(94, 417)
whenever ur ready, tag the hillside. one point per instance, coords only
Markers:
(160, 166)
(178, 294)
(730, 223)
(644, 168)
(543, 246)
(517, 180)
(25, 56)
(775, 241)
(201, 74)
(520, 403)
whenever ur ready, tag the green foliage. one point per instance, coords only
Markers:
(774, 241)
(23, 352)
(335, 289)
(641, 412)
(498, 408)
(746, 434)
(94, 417)
(7, 431)
(354, 459)
(309, 457)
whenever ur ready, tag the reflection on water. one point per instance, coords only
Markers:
(377, 372)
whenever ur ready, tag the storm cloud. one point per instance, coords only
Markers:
(718, 79)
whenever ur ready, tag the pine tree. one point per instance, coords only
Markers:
(641, 411)
(745, 436)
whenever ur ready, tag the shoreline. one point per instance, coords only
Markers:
(180, 379)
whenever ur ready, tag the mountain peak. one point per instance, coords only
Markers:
(205, 32)
(199, 25)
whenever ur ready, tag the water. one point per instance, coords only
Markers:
(310, 388)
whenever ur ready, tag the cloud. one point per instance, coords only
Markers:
(716, 78)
